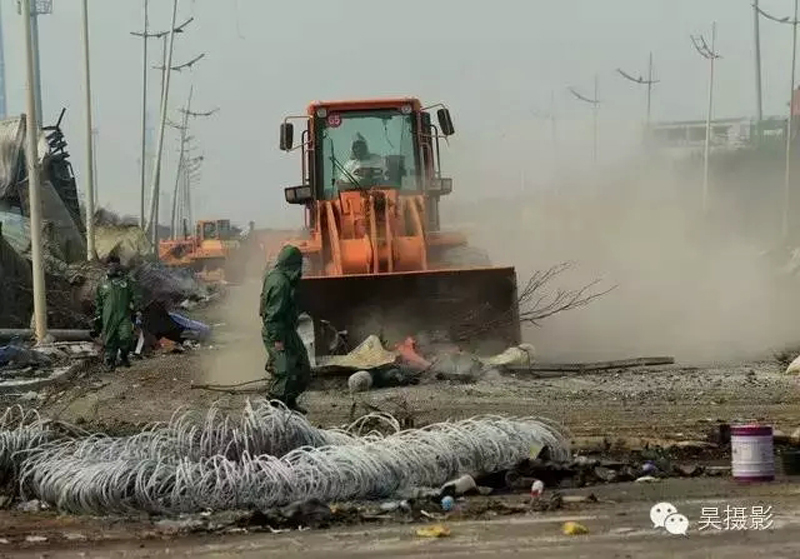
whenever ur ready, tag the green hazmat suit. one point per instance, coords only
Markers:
(291, 370)
(115, 304)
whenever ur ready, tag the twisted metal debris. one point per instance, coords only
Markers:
(266, 457)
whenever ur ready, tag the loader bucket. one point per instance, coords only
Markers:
(473, 308)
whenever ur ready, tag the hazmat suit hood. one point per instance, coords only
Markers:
(290, 262)
(115, 270)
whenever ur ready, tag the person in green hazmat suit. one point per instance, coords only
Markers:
(116, 303)
(289, 363)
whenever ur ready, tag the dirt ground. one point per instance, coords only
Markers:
(676, 402)
(679, 402)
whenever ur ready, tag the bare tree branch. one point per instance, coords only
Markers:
(535, 303)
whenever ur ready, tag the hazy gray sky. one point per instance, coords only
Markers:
(493, 63)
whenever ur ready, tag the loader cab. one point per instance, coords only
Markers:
(359, 145)
(219, 230)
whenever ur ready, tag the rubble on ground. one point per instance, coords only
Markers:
(374, 366)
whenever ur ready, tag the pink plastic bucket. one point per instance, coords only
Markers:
(752, 454)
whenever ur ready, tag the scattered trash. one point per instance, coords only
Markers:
(407, 350)
(514, 357)
(537, 488)
(360, 381)
(34, 505)
(605, 474)
(647, 479)
(649, 468)
(689, 470)
(435, 531)
(173, 526)
(457, 367)
(459, 486)
(392, 506)
(574, 499)
(35, 539)
(574, 529)
(75, 537)
(794, 366)
(448, 503)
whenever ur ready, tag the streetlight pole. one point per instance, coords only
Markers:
(34, 183)
(38, 7)
(145, 35)
(757, 52)
(595, 110)
(789, 124)
(789, 133)
(154, 193)
(144, 119)
(649, 82)
(710, 54)
(90, 240)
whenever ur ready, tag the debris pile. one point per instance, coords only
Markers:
(265, 458)
(371, 365)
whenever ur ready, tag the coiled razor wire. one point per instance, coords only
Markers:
(267, 457)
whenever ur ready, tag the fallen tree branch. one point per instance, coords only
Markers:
(534, 303)
(535, 306)
(593, 366)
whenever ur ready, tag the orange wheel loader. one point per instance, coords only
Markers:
(376, 260)
(211, 253)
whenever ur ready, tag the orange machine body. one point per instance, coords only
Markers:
(207, 252)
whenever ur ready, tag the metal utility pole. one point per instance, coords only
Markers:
(757, 51)
(595, 103)
(145, 35)
(144, 118)
(3, 104)
(154, 192)
(95, 134)
(38, 7)
(790, 132)
(91, 254)
(553, 118)
(184, 161)
(710, 54)
(34, 185)
(649, 82)
(181, 163)
(789, 121)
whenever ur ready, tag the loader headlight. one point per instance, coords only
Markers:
(441, 186)
(405, 109)
(322, 112)
(298, 194)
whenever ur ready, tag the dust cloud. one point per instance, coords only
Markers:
(239, 355)
(691, 286)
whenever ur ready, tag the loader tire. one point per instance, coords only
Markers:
(466, 257)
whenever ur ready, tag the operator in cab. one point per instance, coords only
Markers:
(362, 166)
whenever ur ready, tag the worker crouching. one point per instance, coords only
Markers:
(289, 363)
(116, 308)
